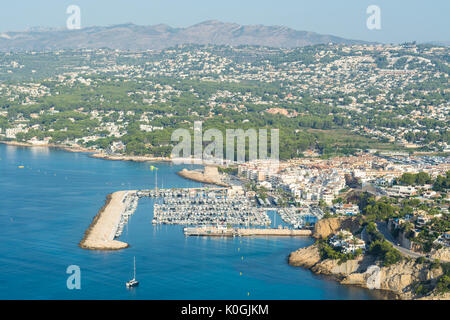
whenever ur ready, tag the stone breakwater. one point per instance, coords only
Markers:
(109, 222)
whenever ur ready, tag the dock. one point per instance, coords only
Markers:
(243, 232)
(206, 206)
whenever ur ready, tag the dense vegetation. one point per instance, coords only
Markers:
(76, 96)
(328, 252)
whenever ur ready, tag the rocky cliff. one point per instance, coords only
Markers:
(400, 278)
(323, 228)
(442, 255)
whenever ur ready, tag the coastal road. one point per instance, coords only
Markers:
(382, 227)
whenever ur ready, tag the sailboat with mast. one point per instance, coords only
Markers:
(133, 282)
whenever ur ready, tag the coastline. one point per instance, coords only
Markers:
(398, 280)
(101, 232)
(94, 153)
(100, 155)
(350, 273)
(50, 145)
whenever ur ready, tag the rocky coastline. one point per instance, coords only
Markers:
(399, 279)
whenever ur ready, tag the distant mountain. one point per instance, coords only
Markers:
(439, 43)
(134, 37)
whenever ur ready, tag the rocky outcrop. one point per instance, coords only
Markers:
(442, 254)
(324, 227)
(305, 257)
(399, 278)
(204, 177)
(309, 257)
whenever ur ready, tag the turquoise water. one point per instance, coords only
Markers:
(46, 206)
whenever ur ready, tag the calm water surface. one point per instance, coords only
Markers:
(46, 206)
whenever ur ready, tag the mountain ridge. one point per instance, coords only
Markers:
(129, 36)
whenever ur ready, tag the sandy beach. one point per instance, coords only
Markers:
(100, 234)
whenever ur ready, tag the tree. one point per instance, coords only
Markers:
(442, 183)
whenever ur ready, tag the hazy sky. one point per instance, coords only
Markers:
(401, 20)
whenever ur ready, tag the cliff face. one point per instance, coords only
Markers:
(324, 227)
(309, 258)
(305, 257)
(441, 254)
(398, 278)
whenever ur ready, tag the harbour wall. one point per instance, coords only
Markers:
(243, 232)
(102, 231)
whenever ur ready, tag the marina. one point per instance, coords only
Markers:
(213, 212)
(300, 217)
(130, 200)
(205, 206)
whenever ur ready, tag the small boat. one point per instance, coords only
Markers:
(133, 282)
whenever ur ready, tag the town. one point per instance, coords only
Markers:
(383, 97)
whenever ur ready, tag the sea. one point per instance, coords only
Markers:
(48, 198)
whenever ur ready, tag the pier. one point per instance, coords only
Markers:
(108, 224)
(220, 231)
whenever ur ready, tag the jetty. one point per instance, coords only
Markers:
(221, 231)
(108, 224)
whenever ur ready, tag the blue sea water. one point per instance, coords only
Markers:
(46, 206)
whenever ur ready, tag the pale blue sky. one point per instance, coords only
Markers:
(401, 20)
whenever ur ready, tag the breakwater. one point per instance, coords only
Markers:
(242, 232)
(108, 224)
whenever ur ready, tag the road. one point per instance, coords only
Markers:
(382, 227)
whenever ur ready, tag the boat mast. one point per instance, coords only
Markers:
(134, 263)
